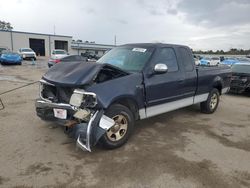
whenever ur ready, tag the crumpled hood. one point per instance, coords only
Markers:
(76, 73)
(72, 73)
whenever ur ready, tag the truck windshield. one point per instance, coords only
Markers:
(239, 68)
(127, 58)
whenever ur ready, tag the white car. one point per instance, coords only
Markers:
(58, 54)
(215, 61)
(27, 53)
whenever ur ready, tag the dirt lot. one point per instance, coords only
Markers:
(183, 148)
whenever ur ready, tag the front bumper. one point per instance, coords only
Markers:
(44, 110)
(86, 134)
(27, 56)
(10, 62)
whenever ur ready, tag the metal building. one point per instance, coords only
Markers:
(42, 44)
(79, 48)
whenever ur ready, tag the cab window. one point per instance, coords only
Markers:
(166, 56)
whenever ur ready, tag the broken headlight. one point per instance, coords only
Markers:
(81, 98)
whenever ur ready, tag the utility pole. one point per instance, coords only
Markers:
(54, 29)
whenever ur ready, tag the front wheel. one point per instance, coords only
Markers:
(118, 135)
(210, 105)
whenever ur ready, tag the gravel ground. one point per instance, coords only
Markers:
(183, 148)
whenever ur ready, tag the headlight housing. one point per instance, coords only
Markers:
(81, 98)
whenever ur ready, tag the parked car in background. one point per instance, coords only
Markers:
(210, 61)
(90, 55)
(243, 60)
(230, 61)
(197, 59)
(3, 49)
(69, 58)
(58, 54)
(240, 78)
(215, 61)
(10, 58)
(27, 53)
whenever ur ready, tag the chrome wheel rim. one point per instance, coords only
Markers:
(118, 131)
(214, 101)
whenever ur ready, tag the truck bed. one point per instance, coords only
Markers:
(210, 75)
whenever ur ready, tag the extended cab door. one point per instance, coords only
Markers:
(185, 58)
(165, 92)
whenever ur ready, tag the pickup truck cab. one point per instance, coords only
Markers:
(100, 102)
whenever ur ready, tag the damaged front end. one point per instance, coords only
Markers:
(76, 94)
(75, 109)
(94, 123)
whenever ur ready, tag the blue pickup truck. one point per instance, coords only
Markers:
(100, 102)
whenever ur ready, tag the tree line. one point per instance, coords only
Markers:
(232, 51)
(6, 26)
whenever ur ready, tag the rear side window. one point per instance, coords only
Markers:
(167, 56)
(187, 59)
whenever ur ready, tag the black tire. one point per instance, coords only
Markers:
(210, 105)
(115, 111)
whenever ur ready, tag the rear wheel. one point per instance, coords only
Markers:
(210, 105)
(118, 135)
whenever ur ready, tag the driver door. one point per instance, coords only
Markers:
(164, 90)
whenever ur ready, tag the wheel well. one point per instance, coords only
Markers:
(131, 105)
(218, 86)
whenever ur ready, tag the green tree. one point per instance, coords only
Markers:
(5, 26)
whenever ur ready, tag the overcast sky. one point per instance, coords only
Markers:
(201, 24)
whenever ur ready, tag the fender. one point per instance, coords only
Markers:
(218, 83)
(129, 86)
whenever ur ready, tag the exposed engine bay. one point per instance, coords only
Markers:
(108, 73)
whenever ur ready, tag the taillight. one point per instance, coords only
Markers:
(56, 60)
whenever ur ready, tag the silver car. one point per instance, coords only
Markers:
(27, 53)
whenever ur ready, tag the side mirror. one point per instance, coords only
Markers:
(160, 68)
